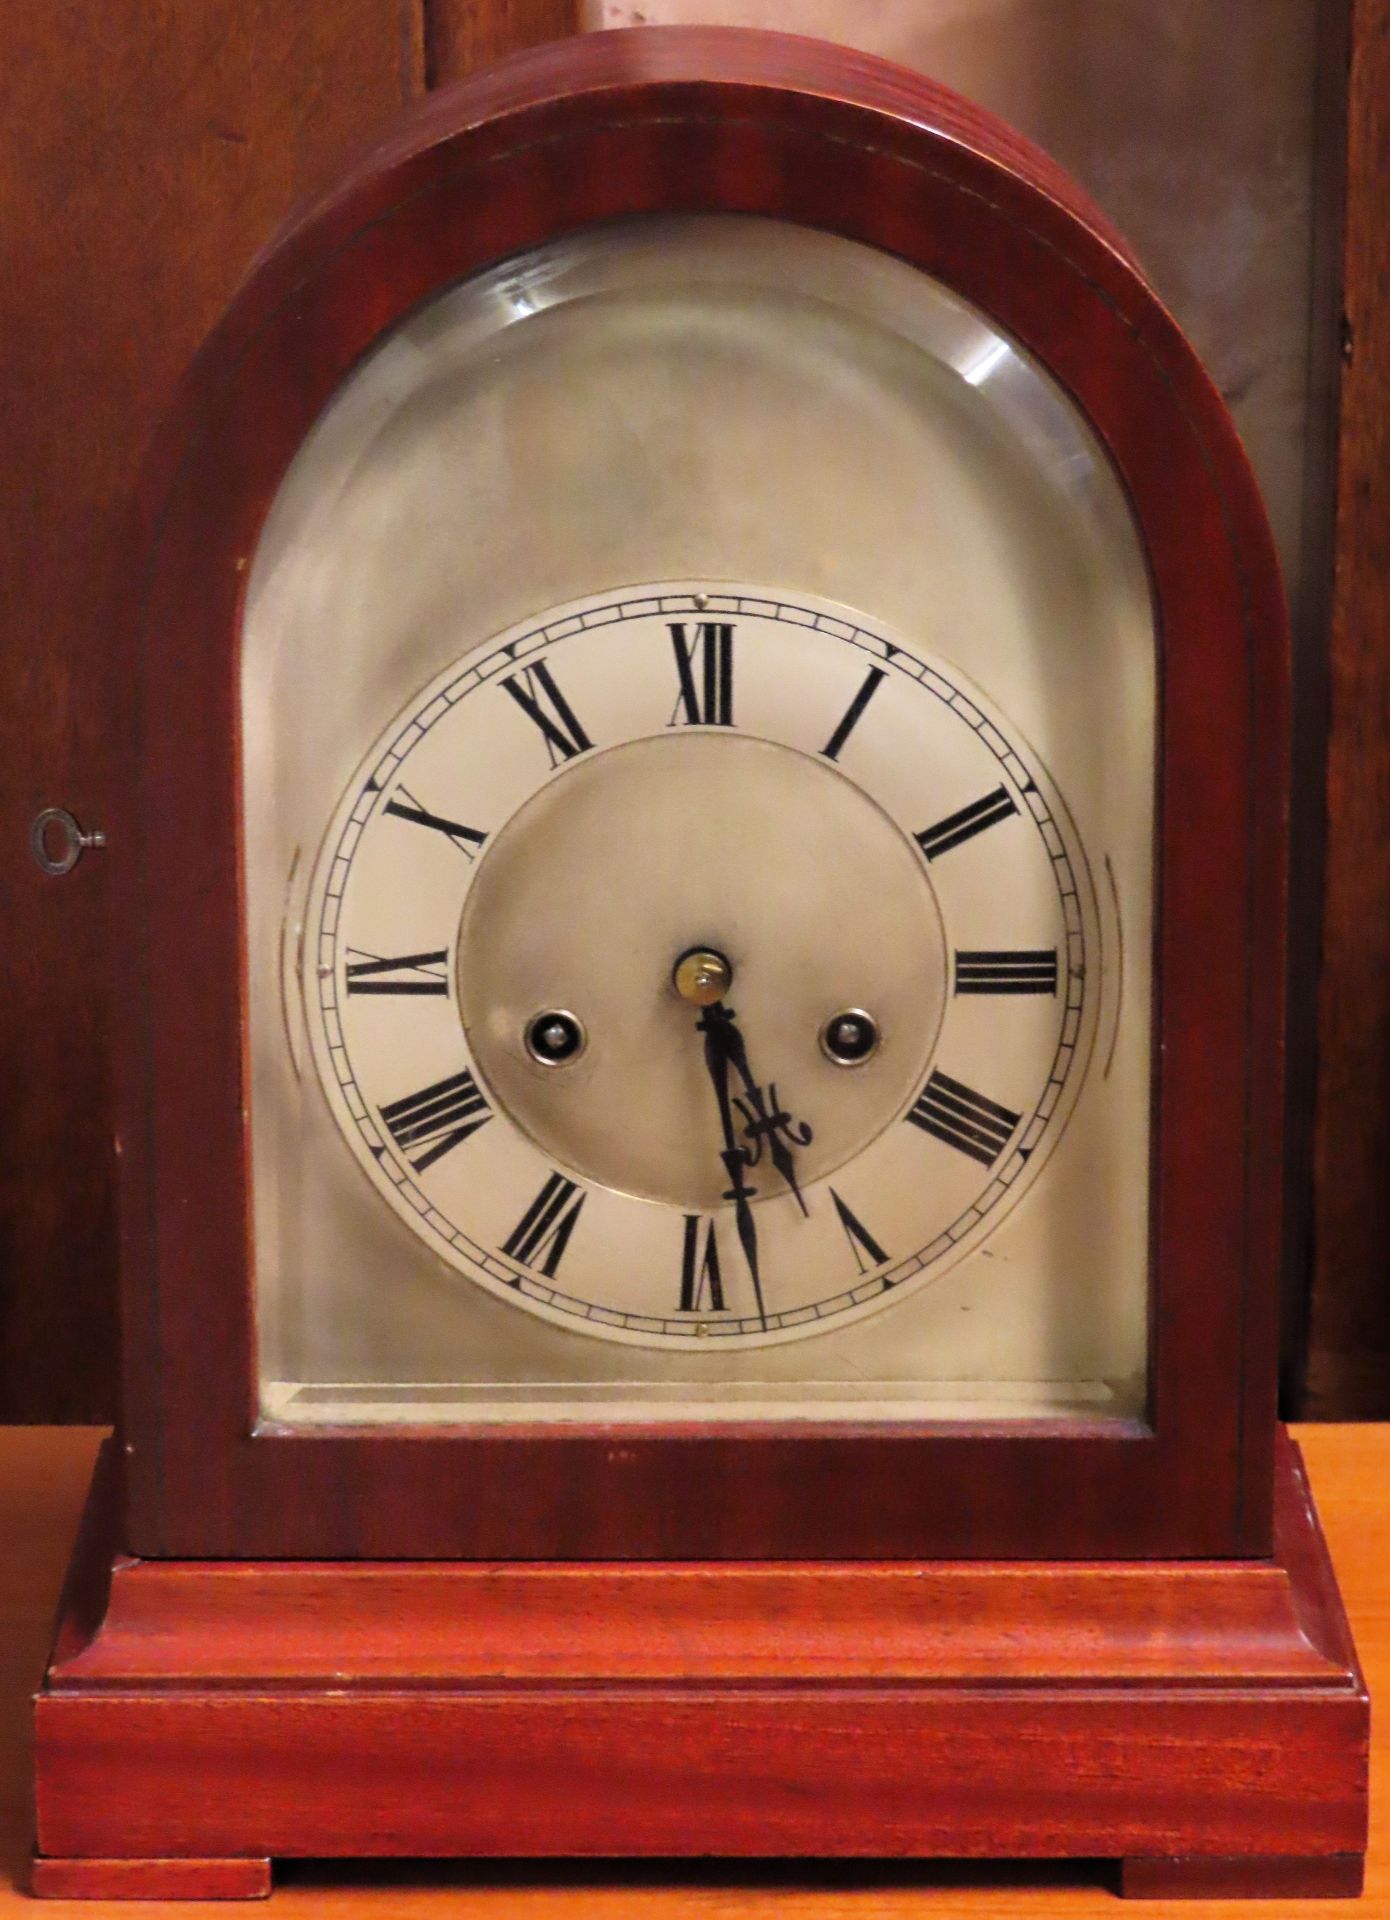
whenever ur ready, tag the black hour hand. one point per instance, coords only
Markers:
(765, 1119)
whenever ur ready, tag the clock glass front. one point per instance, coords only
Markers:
(698, 704)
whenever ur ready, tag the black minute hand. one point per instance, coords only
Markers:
(716, 1023)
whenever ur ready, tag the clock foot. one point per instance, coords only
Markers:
(1191, 1876)
(245, 1878)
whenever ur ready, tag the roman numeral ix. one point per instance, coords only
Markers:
(963, 1118)
(705, 664)
(702, 1286)
(1024, 970)
(541, 700)
(962, 826)
(437, 1118)
(543, 1232)
(409, 973)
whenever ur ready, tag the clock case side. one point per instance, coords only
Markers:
(675, 120)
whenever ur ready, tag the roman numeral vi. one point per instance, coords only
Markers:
(702, 1286)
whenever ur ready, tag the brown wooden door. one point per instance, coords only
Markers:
(147, 152)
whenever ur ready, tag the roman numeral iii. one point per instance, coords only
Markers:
(959, 827)
(543, 1232)
(541, 700)
(436, 1118)
(705, 666)
(702, 1286)
(1023, 970)
(410, 973)
(964, 1119)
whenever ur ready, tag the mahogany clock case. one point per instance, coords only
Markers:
(682, 121)
(1111, 1640)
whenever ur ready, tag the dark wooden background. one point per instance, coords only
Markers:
(1348, 1334)
(145, 153)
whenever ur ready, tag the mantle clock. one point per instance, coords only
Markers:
(701, 942)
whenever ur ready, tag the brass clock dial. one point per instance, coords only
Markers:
(699, 586)
(901, 903)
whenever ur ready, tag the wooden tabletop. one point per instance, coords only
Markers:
(43, 1477)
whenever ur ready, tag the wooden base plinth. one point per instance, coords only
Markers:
(1204, 1723)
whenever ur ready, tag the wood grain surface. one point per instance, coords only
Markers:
(462, 35)
(707, 120)
(1186, 1718)
(1349, 1346)
(147, 151)
(43, 1477)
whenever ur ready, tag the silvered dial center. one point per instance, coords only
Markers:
(642, 935)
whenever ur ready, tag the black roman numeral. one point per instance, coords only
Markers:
(854, 712)
(963, 1118)
(437, 1118)
(705, 663)
(861, 1241)
(536, 693)
(956, 827)
(409, 973)
(702, 1285)
(1025, 970)
(546, 1226)
(407, 807)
